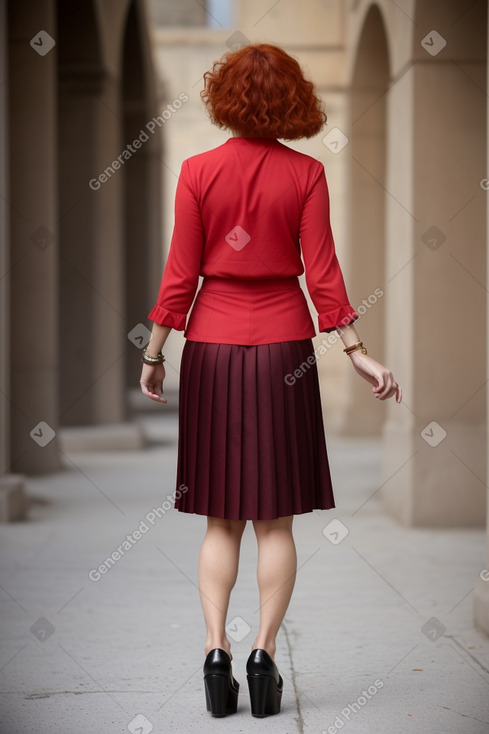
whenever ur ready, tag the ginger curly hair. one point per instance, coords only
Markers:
(261, 91)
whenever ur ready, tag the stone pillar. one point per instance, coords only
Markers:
(481, 596)
(92, 319)
(13, 502)
(435, 445)
(33, 236)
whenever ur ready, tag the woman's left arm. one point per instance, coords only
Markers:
(178, 283)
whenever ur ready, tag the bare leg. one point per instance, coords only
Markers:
(276, 572)
(218, 570)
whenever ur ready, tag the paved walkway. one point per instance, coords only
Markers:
(378, 636)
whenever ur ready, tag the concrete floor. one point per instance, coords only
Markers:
(378, 636)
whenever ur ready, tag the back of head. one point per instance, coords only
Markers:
(261, 91)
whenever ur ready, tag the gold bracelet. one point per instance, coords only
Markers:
(354, 347)
(148, 359)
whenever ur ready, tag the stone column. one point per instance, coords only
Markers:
(13, 504)
(33, 215)
(481, 596)
(93, 155)
(92, 319)
(435, 444)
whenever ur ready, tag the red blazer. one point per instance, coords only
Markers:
(244, 213)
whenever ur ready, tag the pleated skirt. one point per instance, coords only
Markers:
(251, 442)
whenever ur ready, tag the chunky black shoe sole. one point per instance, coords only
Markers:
(265, 684)
(221, 699)
(221, 688)
(265, 695)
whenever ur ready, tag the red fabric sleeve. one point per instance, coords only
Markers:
(181, 274)
(324, 278)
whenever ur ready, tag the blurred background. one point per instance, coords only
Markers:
(100, 105)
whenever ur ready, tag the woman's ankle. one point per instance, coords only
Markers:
(269, 646)
(211, 644)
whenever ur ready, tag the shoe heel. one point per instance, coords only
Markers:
(265, 696)
(220, 699)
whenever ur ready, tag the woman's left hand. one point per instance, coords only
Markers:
(151, 381)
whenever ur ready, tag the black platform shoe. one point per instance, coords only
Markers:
(221, 688)
(265, 684)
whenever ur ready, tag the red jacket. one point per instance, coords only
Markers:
(244, 212)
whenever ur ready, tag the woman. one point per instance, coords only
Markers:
(251, 437)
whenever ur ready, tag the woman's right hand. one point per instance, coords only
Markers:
(382, 379)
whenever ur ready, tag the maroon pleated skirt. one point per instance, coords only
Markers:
(251, 442)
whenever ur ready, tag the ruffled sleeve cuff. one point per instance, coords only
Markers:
(341, 316)
(163, 317)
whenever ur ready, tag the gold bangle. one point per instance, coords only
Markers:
(158, 358)
(148, 359)
(354, 347)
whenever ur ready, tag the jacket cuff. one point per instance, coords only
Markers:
(341, 316)
(163, 317)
